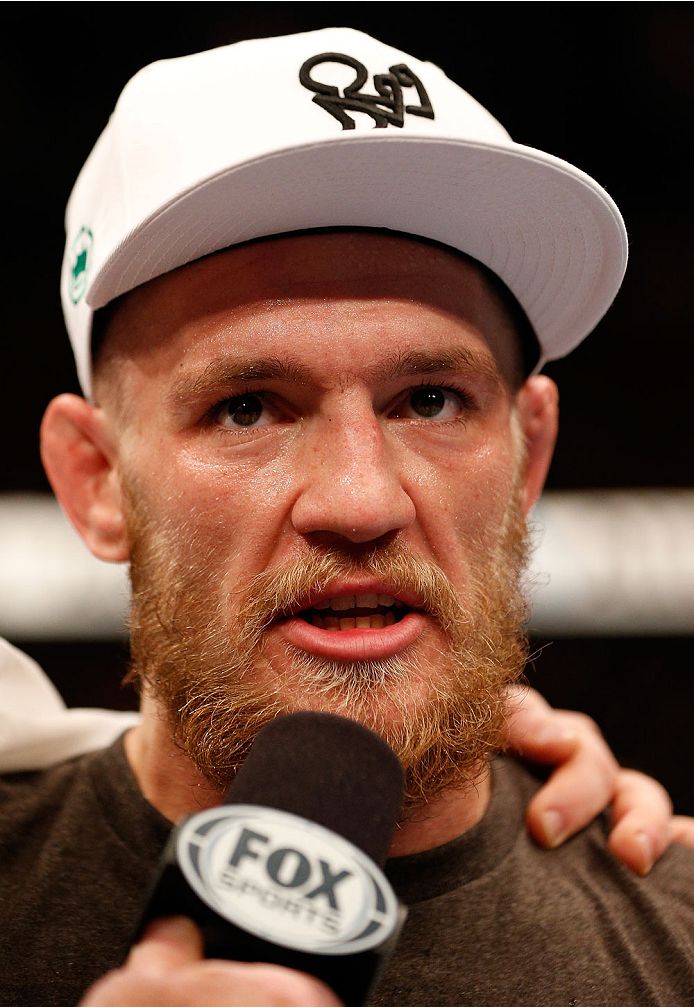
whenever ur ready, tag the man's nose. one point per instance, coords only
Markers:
(352, 484)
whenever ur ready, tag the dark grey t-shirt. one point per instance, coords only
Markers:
(494, 920)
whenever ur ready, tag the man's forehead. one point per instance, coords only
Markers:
(342, 262)
(257, 283)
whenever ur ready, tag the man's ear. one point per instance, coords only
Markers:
(79, 455)
(537, 405)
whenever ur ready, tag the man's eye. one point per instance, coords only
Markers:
(244, 411)
(430, 402)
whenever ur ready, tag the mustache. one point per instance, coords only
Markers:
(272, 594)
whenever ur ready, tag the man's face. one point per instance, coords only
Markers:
(322, 467)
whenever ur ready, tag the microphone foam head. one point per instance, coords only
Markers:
(327, 769)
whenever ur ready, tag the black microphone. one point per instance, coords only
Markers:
(288, 869)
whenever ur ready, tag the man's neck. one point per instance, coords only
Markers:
(175, 787)
(442, 819)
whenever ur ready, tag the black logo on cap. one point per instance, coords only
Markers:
(386, 108)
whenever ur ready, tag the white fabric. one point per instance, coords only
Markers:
(210, 150)
(36, 728)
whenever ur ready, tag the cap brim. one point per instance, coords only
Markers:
(549, 231)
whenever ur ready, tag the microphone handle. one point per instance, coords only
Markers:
(351, 976)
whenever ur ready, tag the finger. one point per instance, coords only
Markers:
(682, 830)
(529, 698)
(240, 984)
(575, 793)
(539, 733)
(641, 817)
(166, 944)
(222, 983)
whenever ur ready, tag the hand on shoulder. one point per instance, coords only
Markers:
(587, 779)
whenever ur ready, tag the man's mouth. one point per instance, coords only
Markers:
(368, 624)
(355, 611)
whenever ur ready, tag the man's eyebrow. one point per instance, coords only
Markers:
(227, 370)
(453, 360)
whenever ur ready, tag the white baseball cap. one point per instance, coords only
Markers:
(330, 128)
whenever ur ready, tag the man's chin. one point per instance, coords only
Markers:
(381, 694)
(441, 720)
(376, 708)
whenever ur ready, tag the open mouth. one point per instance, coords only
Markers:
(369, 624)
(355, 611)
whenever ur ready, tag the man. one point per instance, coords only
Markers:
(315, 428)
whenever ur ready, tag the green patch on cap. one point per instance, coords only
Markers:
(80, 250)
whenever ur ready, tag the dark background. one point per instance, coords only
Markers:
(607, 86)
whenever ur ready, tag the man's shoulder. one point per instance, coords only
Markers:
(493, 912)
(27, 797)
(587, 853)
(78, 846)
(84, 798)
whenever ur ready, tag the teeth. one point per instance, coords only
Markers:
(331, 622)
(342, 604)
(357, 601)
(367, 600)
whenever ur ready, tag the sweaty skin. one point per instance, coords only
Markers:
(329, 335)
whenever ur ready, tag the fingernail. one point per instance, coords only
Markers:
(553, 829)
(645, 844)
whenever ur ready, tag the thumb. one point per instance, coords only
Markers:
(167, 943)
